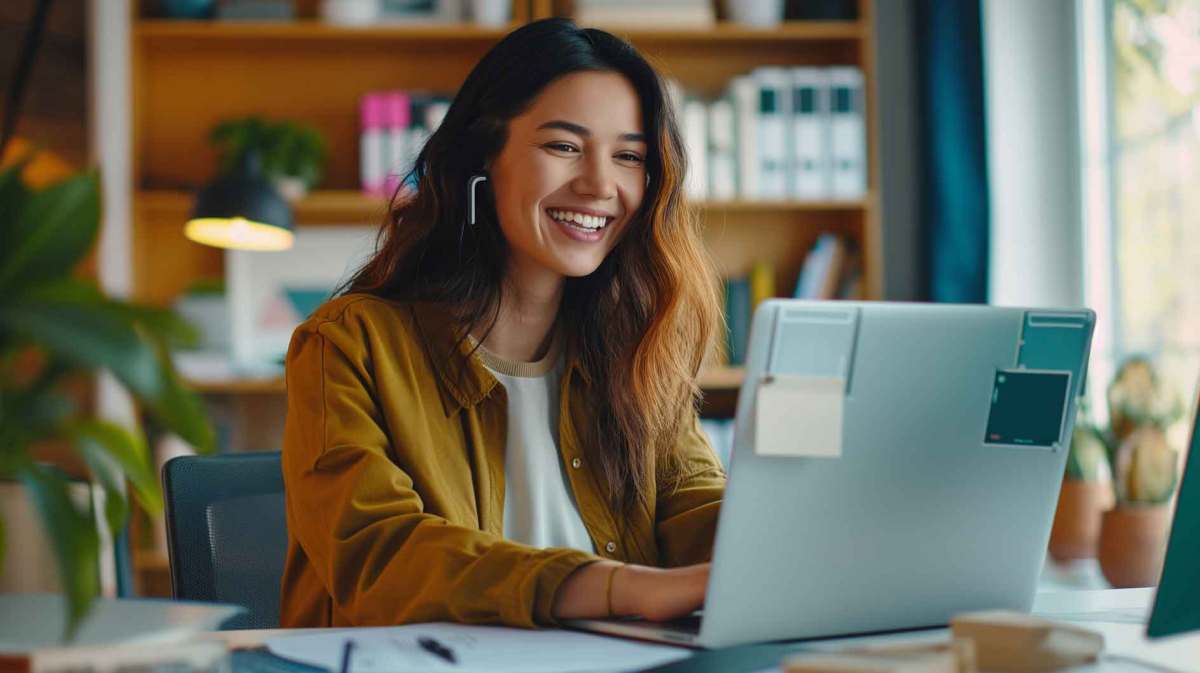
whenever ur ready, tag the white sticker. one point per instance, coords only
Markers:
(799, 416)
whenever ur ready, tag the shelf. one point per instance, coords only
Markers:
(167, 30)
(307, 30)
(715, 378)
(330, 207)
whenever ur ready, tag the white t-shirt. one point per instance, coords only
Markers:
(539, 508)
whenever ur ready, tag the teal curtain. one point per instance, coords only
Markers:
(954, 187)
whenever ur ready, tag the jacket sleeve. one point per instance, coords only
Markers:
(687, 507)
(360, 522)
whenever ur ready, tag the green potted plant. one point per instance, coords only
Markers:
(1085, 494)
(55, 327)
(1133, 534)
(292, 155)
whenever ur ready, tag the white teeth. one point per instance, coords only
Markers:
(591, 222)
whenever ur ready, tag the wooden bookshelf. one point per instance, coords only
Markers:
(188, 75)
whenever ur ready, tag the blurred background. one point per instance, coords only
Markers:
(1017, 152)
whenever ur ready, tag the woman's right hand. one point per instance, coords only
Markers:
(660, 594)
(657, 594)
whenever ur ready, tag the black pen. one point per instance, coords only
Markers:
(437, 649)
(346, 649)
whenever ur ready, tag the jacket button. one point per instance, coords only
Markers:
(610, 547)
(576, 463)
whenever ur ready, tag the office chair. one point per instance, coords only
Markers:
(227, 532)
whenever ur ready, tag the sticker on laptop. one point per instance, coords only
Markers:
(1028, 408)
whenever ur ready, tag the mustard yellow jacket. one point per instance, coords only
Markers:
(393, 467)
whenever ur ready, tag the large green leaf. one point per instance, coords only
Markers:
(163, 324)
(72, 531)
(71, 320)
(105, 445)
(13, 196)
(53, 231)
(180, 409)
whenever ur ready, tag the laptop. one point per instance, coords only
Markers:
(893, 465)
(1177, 601)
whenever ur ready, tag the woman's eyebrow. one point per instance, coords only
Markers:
(583, 132)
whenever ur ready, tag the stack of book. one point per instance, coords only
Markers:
(795, 133)
(643, 13)
(831, 270)
(395, 126)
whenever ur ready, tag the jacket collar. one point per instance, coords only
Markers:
(463, 380)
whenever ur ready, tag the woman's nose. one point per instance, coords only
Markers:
(596, 178)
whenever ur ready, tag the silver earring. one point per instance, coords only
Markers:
(471, 183)
(647, 179)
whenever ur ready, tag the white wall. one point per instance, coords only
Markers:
(1033, 144)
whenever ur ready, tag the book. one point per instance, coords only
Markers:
(847, 133)
(646, 13)
(762, 284)
(810, 133)
(695, 140)
(722, 150)
(121, 633)
(774, 113)
(744, 94)
(737, 319)
(822, 269)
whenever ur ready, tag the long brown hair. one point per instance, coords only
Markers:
(640, 325)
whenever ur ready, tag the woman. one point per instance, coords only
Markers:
(496, 421)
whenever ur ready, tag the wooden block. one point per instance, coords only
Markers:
(1013, 642)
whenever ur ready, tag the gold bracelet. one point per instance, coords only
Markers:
(608, 587)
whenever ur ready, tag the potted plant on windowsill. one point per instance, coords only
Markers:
(1086, 493)
(1133, 535)
(293, 155)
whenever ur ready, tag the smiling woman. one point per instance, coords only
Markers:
(496, 420)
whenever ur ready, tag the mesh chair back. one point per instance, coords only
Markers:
(227, 532)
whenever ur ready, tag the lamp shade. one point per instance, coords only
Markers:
(241, 210)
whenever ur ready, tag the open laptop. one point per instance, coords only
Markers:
(905, 468)
(1177, 601)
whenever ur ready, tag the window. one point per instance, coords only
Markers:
(1141, 116)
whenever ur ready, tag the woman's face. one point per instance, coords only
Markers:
(571, 174)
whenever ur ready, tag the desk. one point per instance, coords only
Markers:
(1117, 613)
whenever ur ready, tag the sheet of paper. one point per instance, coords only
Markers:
(487, 649)
(799, 416)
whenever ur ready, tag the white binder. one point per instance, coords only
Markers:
(695, 139)
(774, 111)
(847, 133)
(722, 150)
(810, 174)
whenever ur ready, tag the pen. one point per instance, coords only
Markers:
(437, 649)
(346, 649)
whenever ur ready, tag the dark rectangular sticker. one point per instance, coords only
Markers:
(1027, 407)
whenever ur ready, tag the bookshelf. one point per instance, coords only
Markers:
(187, 75)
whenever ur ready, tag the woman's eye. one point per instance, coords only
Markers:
(629, 156)
(561, 147)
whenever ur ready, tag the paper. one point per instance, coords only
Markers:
(799, 416)
(490, 649)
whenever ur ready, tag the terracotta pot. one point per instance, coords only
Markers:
(1076, 530)
(1133, 542)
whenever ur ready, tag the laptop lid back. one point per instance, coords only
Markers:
(1177, 602)
(952, 429)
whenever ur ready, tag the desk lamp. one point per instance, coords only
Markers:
(241, 210)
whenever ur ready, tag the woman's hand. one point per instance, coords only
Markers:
(657, 594)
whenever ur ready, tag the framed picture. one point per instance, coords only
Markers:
(271, 293)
